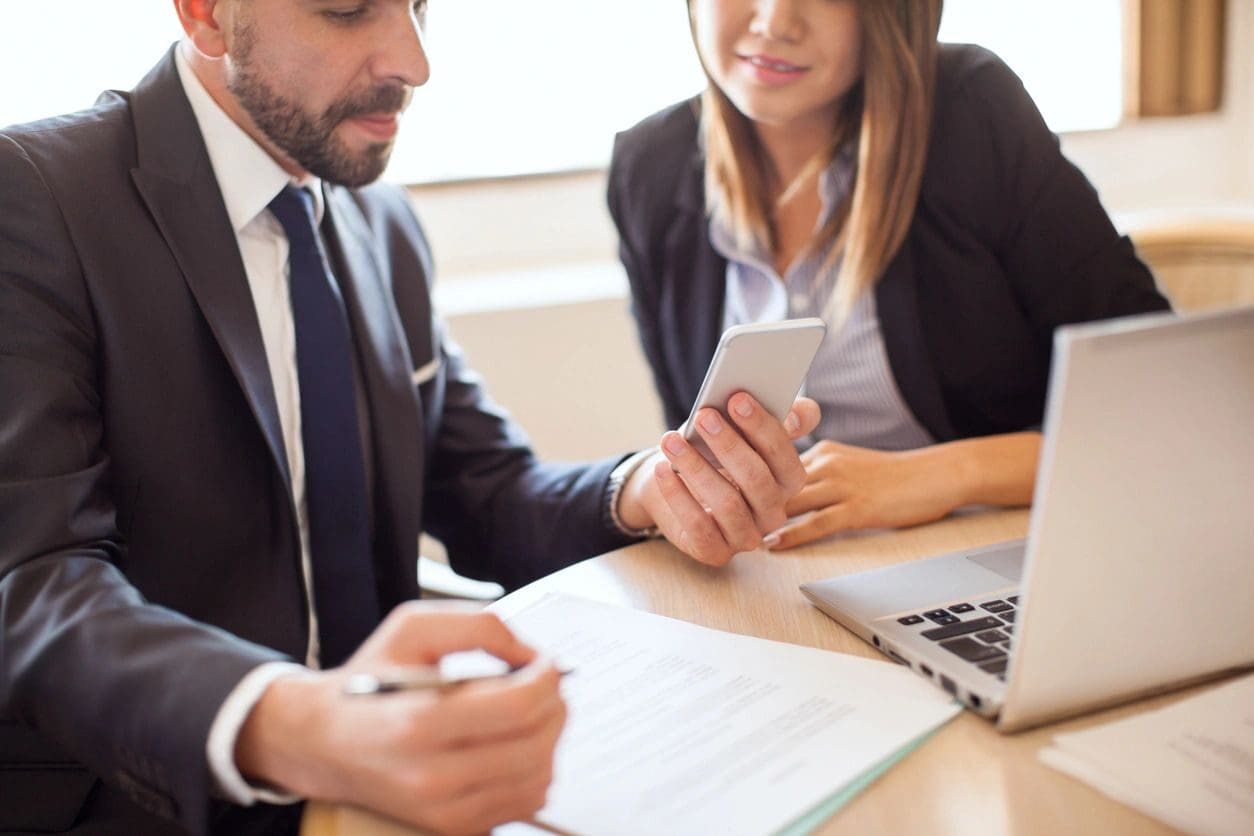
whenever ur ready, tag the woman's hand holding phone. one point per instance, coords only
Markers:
(713, 513)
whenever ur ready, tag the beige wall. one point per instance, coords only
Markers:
(571, 374)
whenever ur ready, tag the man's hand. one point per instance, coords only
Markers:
(458, 760)
(713, 513)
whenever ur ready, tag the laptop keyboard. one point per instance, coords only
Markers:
(977, 633)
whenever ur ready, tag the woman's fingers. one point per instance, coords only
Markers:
(812, 526)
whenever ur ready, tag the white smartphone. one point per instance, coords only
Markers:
(769, 360)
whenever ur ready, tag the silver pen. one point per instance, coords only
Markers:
(417, 679)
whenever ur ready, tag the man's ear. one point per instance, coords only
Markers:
(203, 21)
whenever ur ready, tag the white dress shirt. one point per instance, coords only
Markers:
(249, 179)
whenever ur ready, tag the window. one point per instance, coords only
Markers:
(58, 57)
(541, 86)
(1068, 52)
(522, 88)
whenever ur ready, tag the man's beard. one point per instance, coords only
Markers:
(310, 139)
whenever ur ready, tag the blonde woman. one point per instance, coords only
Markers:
(842, 163)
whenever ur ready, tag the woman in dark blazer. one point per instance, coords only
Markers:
(842, 163)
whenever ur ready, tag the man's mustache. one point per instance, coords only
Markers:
(388, 98)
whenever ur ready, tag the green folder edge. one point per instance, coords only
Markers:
(826, 809)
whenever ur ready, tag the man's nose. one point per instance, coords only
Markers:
(403, 56)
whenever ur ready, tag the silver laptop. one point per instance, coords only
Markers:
(1138, 570)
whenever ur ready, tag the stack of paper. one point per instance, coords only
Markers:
(680, 729)
(1190, 764)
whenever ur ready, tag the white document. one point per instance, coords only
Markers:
(676, 729)
(1190, 764)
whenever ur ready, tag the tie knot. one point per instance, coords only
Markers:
(294, 209)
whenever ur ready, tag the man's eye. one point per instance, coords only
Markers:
(344, 15)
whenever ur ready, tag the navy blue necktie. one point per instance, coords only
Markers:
(345, 598)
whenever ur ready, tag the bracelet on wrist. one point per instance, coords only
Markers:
(618, 479)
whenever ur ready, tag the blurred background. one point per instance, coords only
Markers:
(504, 152)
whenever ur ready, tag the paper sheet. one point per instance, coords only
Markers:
(1190, 765)
(676, 728)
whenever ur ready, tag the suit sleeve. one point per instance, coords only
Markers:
(1056, 243)
(634, 239)
(501, 513)
(126, 687)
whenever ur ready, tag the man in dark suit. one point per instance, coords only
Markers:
(226, 413)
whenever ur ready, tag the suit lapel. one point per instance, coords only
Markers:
(378, 331)
(177, 183)
(387, 369)
(697, 282)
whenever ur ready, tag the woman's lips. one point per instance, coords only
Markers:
(770, 70)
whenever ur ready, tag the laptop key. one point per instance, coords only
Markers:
(996, 606)
(1009, 629)
(995, 666)
(1008, 616)
(935, 614)
(992, 636)
(971, 650)
(1014, 599)
(961, 608)
(961, 628)
(910, 619)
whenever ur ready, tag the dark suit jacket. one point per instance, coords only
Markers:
(1008, 242)
(149, 552)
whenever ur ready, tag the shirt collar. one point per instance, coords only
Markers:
(247, 175)
(835, 183)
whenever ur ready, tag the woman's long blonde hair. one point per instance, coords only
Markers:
(889, 110)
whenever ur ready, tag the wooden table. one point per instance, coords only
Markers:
(967, 779)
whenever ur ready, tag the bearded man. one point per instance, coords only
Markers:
(226, 413)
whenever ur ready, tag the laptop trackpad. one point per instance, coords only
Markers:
(1006, 562)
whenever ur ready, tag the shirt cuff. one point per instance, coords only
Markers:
(225, 730)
